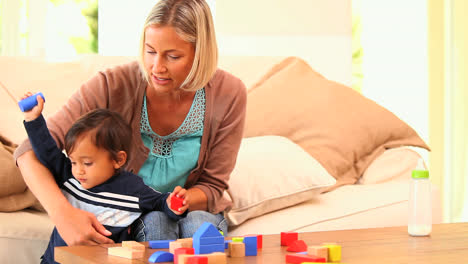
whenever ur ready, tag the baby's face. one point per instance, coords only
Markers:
(91, 166)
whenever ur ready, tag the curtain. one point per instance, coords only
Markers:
(448, 81)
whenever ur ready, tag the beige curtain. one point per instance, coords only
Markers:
(448, 68)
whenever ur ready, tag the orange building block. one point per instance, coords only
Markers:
(125, 252)
(186, 242)
(173, 245)
(319, 251)
(236, 249)
(133, 245)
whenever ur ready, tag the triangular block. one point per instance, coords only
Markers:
(297, 246)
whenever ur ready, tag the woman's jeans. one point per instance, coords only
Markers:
(157, 225)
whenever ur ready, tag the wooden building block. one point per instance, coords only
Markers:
(186, 242)
(213, 258)
(207, 249)
(297, 246)
(176, 202)
(133, 245)
(199, 259)
(125, 252)
(334, 252)
(207, 231)
(300, 258)
(259, 240)
(161, 256)
(183, 258)
(236, 249)
(322, 263)
(217, 258)
(173, 245)
(159, 243)
(211, 240)
(226, 243)
(250, 246)
(182, 251)
(237, 239)
(319, 251)
(288, 237)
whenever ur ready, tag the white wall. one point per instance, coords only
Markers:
(394, 41)
(120, 25)
(317, 31)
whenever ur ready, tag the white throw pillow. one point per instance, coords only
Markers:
(271, 173)
(392, 164)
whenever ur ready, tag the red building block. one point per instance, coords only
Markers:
(179, 251)
(297, 246)
(176, 202)
(299, 258)
(197, 260)
(288, 237)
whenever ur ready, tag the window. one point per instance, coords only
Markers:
(54, 29)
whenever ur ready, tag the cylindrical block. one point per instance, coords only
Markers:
(28, 103)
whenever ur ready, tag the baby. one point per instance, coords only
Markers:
(91, 177)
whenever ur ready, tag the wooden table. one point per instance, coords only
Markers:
(448, 243)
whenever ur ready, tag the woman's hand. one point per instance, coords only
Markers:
(177, 195)
(78, 227)
(196, 199)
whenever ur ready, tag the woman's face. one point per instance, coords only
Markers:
(167, 58)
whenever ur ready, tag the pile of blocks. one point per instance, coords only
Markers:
(208, 246)
(325, 253)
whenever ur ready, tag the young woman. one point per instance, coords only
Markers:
(187, 118)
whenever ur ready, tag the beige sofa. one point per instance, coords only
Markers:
(316, 155)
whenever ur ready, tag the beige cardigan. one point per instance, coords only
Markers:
(122, 89)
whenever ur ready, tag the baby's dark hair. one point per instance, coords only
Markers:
(109, 131)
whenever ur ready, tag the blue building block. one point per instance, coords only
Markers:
(207, 230)
(159, 243)
(226, 243)
(161, 256)
(207, 236)
(208, 249)
(211, 240)
(250, 246)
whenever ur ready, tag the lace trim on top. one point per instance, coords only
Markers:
(162, 145)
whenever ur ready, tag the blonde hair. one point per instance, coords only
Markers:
(193, 22)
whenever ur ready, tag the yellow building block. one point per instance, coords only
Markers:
(334, 252)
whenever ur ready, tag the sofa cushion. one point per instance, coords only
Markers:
(392, 164)
(338, 126)
(272, 173)
(14, 194)
(56, 80)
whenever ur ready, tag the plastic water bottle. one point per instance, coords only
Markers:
(420, 205)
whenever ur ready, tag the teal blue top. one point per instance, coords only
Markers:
(173, 157)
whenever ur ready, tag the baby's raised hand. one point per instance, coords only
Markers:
(176, 200)
(36, 111)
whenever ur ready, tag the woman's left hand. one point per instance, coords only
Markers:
(176, 201)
